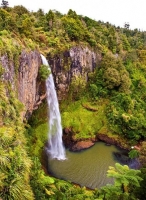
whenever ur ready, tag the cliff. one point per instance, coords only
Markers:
(30, 91)
(78, 61)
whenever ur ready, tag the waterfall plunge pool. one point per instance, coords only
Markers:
(88, 167)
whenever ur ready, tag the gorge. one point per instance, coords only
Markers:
(100, 78)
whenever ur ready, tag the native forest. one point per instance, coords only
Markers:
(99, 73)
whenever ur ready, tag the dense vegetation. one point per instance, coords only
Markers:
(115, 91)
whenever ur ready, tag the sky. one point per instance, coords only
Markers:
(116, 12)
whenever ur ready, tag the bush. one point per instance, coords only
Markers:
(44, 72)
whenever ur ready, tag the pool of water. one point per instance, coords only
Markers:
(86, 168)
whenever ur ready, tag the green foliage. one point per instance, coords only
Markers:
(6, 22)
(112, 78)
(140, 192)
(44, 72)
(77, 116)
(70, 29)
(125, 177)
(125, 182)
(126, 114)
(50, 17)
(40, 183)
(38, 138)
(133, 154)
(1, 71)
(10, 107)
(73, 28)
(77, 87)
(142, 153)
(20, 10)
(115, 74)
(93, 90)
(39, 116)
(120, 77)
(14, 165)
(126, 45)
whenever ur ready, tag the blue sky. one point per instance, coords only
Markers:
(116, 12)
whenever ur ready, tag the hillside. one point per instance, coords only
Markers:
(100, 76)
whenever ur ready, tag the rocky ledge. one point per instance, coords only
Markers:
(113, 141)
(77, 145)
(80, 145)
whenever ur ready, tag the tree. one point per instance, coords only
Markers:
(4, 4)
(126, 25)
(112, 78)
(125, 178)
(50, 16)
(14, 165)
(74, 28)
(20, 10)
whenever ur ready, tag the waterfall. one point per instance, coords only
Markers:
(55, 145)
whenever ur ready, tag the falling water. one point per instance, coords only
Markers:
(55, 145)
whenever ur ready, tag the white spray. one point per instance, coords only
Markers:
(55, 145)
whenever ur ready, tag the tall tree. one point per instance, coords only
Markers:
(4, 4)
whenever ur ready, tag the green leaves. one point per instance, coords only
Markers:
(74, 28)
(123, 175)
(133, 154)
(14, 165)
(44, 72)
(77, 116)
(112, 78)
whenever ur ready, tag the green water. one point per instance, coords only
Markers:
(86, 168)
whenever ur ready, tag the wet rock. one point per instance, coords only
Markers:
(82, 145)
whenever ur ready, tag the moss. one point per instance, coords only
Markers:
(85, 123)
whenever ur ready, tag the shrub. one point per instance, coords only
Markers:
(44, 72)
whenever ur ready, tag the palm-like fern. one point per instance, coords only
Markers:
(124, 176)
(14, 166)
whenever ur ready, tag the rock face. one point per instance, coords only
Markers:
(24, 81)
(78, 61)
(9, 71)
(28, 85)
